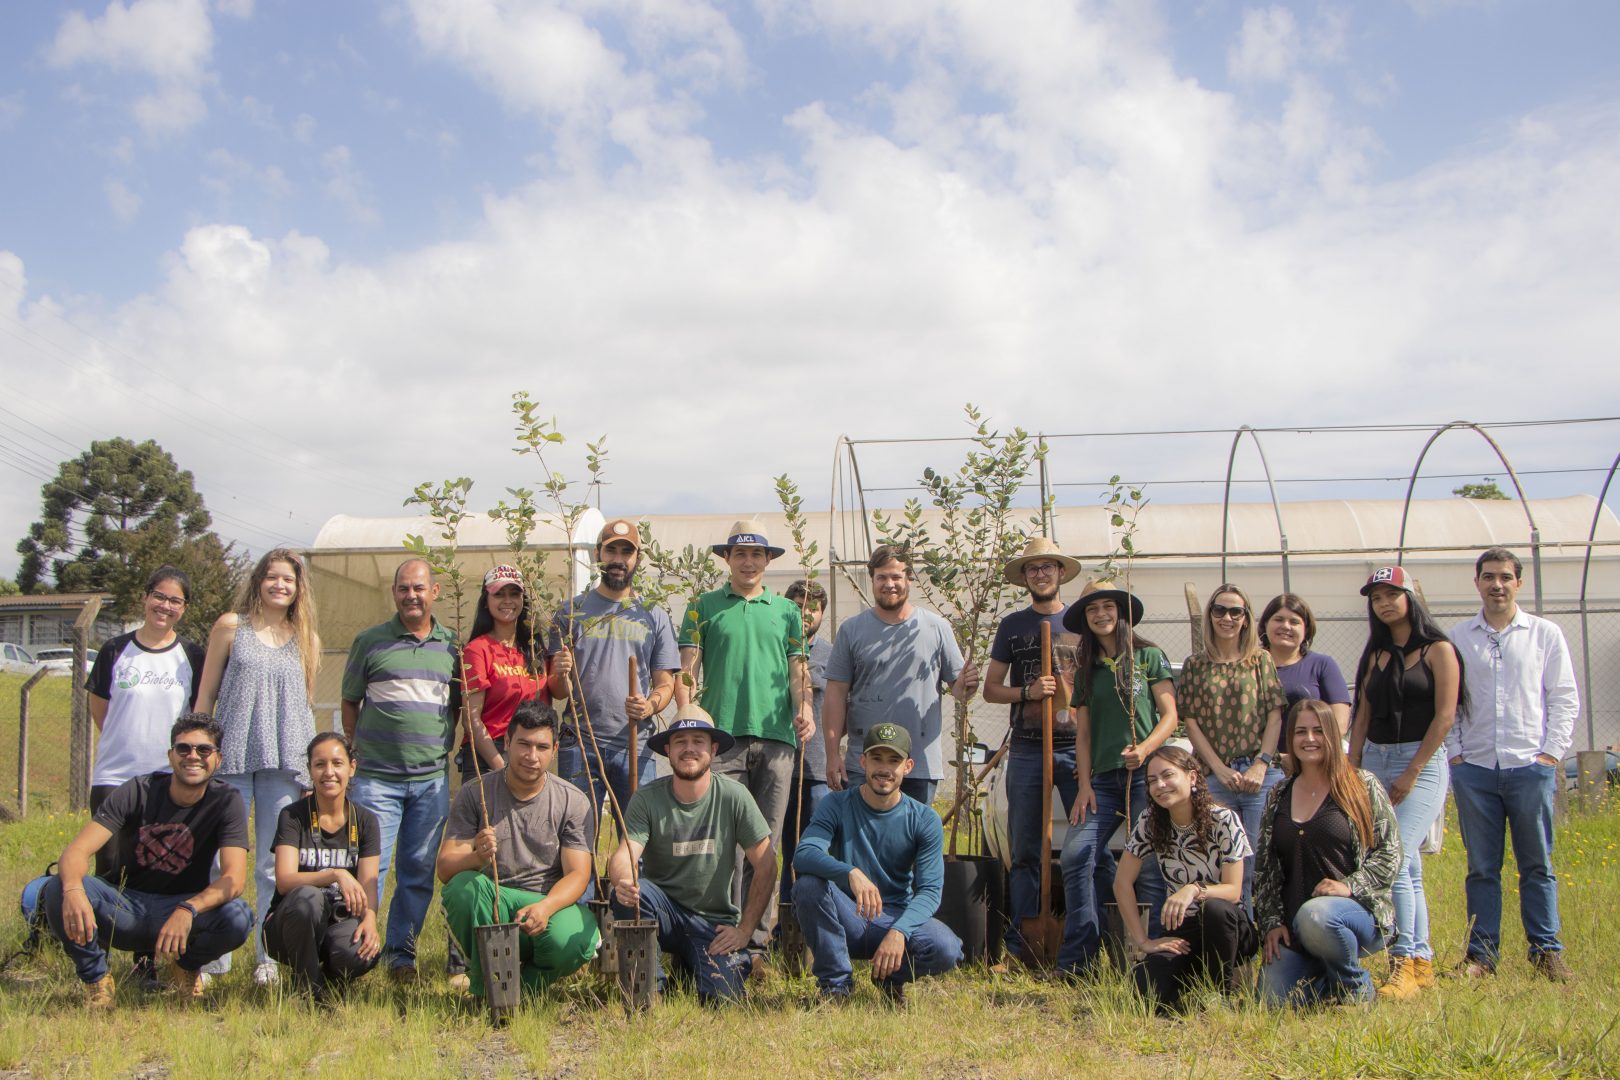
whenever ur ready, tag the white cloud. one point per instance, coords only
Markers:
(1268, 47)
(11, 110)
(125, 204)
(346, 186)
(170, 111)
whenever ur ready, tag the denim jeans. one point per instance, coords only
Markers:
(1414, 815)
(1249, 808)
(586, 773)
(1489, 802)
(801, 803)
(1024, 827)
(1330, 935)
(264, 794)
(131, 920)
(411, 815)
(915, 786)
(686, 936)
(836, 932)
(1088, 869)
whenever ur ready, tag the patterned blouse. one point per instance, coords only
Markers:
(1369, 885)
(1188, 862)
(1230, 701)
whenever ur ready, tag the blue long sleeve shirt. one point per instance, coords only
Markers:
(902, 850)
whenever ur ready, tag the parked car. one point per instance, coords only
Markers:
(16, 659)
(58, 659)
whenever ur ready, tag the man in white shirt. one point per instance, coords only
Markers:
(1505, 751)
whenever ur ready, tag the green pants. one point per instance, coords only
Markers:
(568, 941)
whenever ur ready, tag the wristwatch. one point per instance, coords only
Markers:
(1265, 757)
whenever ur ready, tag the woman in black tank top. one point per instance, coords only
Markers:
(1408, 692)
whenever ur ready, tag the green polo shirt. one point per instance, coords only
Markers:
(403, 687)
(746, 646)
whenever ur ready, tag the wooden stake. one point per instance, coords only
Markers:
(635, 769)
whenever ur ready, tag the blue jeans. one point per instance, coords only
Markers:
(915, 786)
(835, 932)
(1413, 815)
(808, 797)
(264, 794)
(1088, 869)
(1249, 809)
(1489, 802)
(686, 936)
(572, 762)
(131, 920)
(1330, 935)
(411, 815)
(1024, 826)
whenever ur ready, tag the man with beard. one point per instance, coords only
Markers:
(888, 665)
(1016, 652)
(537, 836)
(593, 638)
(684, 831)
(171, 824)
(871, 866)
(396, 711)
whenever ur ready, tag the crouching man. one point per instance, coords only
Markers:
(685, 830)
(537, 838)
(174, 824)
(871, 864)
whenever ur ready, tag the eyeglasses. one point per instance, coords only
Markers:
(165, 600)
(1496, 645)
(202, 750)
(1221, 611)
(1040, 568)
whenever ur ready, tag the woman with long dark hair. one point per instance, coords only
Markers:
(259, 680)
(1232, 702)
(499, 668)
(1125, 708)
(1287, 629)
(322, 921)
(1200, 846)
(1409, 691)
(1329, 849)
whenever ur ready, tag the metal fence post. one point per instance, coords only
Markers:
(22, 740)
(79, 751)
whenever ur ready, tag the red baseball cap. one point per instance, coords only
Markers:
(1393, 576)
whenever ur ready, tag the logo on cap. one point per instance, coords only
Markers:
(886, 732)
(1384, 573)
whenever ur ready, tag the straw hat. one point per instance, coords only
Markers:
(1074, 619)
(746, 532)
(1039, 547)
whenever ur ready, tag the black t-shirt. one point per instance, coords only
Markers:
(318, 849)
(1323, 847)
(1018, 645)
(171, 848)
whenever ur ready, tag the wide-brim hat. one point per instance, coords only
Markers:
(1038, 548)
(746, 532)
(1074, 618)
(691, 718)
(1395, 577)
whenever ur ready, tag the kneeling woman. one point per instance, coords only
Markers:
(1201, 848)
(323, 920)
(1329, 849)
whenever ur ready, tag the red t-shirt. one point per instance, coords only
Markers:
(499, 671)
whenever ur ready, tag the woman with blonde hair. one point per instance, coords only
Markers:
(1328, 853)
(259, 680)
(1232, 701)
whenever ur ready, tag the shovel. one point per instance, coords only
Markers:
(1043, 932)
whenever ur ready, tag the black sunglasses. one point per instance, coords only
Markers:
(1221, 611)
(202, 750)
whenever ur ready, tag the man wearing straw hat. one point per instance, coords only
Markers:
(516, 849)
(684, 831)
(748, 644)
(1014, 678)
(604, 628)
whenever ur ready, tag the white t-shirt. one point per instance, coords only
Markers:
(146, 691)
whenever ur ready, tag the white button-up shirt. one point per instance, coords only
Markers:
(1522, 698)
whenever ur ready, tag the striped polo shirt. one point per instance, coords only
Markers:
(403, 687)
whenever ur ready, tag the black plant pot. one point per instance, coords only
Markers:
(971, 905)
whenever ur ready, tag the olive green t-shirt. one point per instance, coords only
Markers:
(690, 849)
(1107, 717)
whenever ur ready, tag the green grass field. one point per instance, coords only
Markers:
(971, 1023)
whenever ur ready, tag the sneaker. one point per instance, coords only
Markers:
(1402, 981)
(1423, 972)
(267, 974)
(99, 994)
(838, 995)
(460, 982)
(403, 974)
(187, 985)
(1550, 965)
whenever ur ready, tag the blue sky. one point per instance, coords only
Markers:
(289, 240)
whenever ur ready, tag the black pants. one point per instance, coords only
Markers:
(306, 933)
(1221, 935)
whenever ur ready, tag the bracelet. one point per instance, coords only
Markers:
(189, 906)
(72, 888)
(1023, 692)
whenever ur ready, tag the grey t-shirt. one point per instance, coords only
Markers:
(531, 836)
(605, 634)
(815, 749)
(894, 672)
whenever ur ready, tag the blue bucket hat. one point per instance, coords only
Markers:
(746, 532)
(691, 718)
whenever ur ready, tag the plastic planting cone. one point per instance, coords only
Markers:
(637, 941)
(498, 954)
(791, 943)
(607, 954)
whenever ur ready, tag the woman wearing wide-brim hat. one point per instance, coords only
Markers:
(1111, 743)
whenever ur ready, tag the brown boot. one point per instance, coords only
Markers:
(1423, 972)
(188, 986)
(1402, 982)
(1551, 965)
(99, 994)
